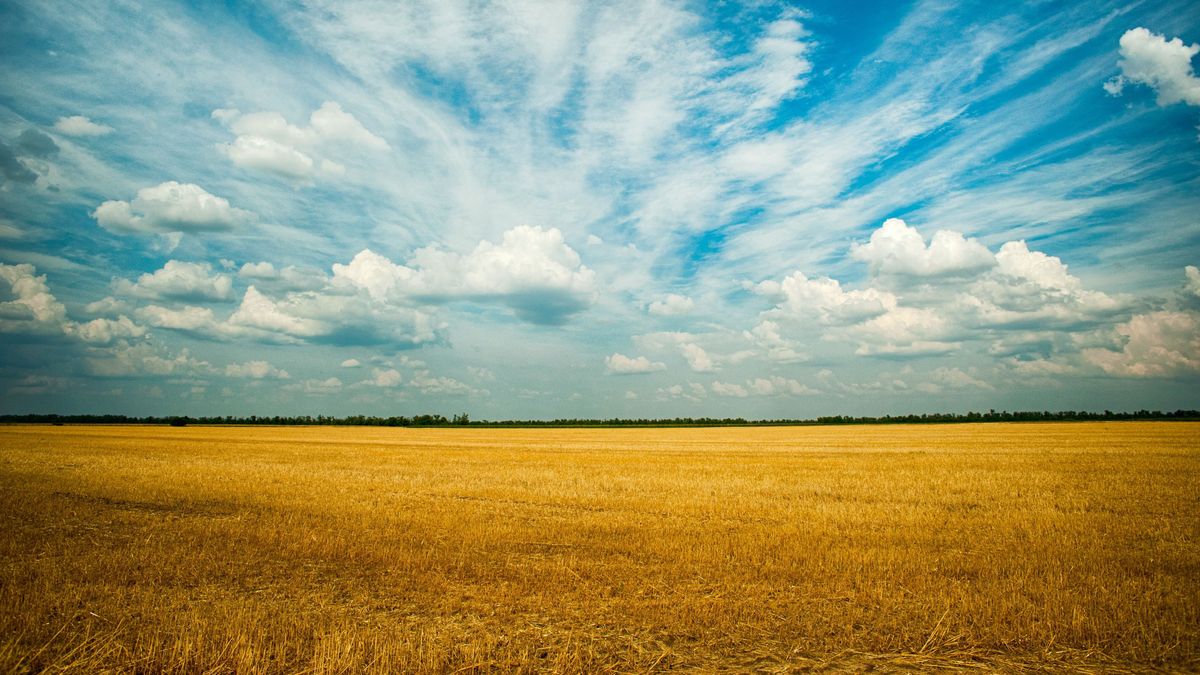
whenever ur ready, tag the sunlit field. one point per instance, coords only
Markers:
(988, 546)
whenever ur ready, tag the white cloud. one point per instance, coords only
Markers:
(33, 309)
(694, 392)
(943, 378)
(672, 305)
(1193, 281)
(824, 298)
(481, 374)
(896, 248)
(258, 270)
(619, 364)
(532, 271)
(288, 278)
(188, 318)
(978, 295)
(351, 363)
(259, 311)
(107, 306)
(1045, 271)
(169, 207)
(729, 390)
(778, 386)
(78, 125)
(1158, 344)
(332, 317)
(179, 280)
(332, 124)
(697, 359)
(766, 335)
(905, 331)
(316, 387)
(780, 65)
(385, 378)
(104, 331)
(255, 370)
(1041, 367)
(145, 360)
(1029, 288)
(1164, 65)
(442, 386)
(267, 142)
(662, 340)
(256, 152)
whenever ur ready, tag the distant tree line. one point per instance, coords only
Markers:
(464, 420)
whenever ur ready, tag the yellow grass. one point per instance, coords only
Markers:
(1065, 546)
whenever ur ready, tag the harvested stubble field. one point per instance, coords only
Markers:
(1071, 547)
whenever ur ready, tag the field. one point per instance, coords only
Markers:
(1071, 547)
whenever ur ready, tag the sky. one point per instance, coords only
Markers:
(620, 209)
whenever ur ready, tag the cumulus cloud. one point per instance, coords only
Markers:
(778, 386)
(773, 386)
(672, 305)
(385, 378)
(896, 248)
(105, 331)
(697, 359)
(259, 311)
(905, 331)
(79, 125)
(1192, 287)
(619, 364)
(255, 370)
(978, 295)
(33, 306)
(944, 378)
(316, 387)
(178, 280)
(33, 310)
(825, 299)
(532, 271)
(767, 336)
(265, 154)
(1158, 344)
(107, 306)
(729, 390)
(351, 363)
(694, 392)
(258, 270)
(481, 374)
(1161, 64)
(190, 319)
(266, 141)
(145, 360)
(1031, 289)
(169, 207)
(288, 278)
(442, 386)
(333, 318)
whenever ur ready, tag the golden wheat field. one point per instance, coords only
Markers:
(1069, 547)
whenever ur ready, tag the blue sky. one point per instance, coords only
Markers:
(612, 209)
